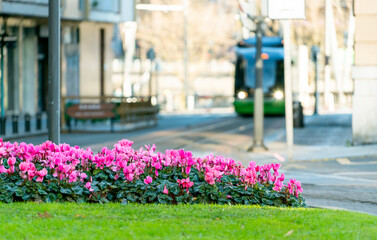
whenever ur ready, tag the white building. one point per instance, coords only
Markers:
(364, 118)
(87, 50)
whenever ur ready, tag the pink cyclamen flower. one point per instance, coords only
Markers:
(24, 166)
(10, 170)
(278, 185)
(148, 180)
(185, 183)
(165, 190)
(88, 185)
(11, 161)
(3, 169)
(281, 178)
(40, 174)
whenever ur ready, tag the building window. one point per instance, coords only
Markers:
(105, 5)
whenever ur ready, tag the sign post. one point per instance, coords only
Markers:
(288, 87)
(285, 10)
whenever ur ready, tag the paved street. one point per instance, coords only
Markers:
(334, 174)
(348, 183)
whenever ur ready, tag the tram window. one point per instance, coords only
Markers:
(269, 75)
(280, 74)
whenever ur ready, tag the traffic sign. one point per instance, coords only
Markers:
(286, 9)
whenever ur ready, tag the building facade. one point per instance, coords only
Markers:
(87, 50)
(364, 118)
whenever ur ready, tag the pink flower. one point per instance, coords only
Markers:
(31, 174)
(165, 190)
(88, 185)
(188, 169)
(10, 170)
(276, 166)
(24, 166)
(294, 187)
(11, 161)
(281, 178)
(148, 180)
(185, 183)
(42, 172)
(2, 169)
(278, 185)
(83, 175)
(209, 177)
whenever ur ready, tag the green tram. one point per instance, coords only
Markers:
(273, 76)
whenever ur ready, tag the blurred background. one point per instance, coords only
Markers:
(178, 55)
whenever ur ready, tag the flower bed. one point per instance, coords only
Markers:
(57, 173)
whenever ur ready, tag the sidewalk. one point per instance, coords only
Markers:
(324, 137)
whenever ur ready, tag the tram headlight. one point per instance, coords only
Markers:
(242, 95)
(278, 95)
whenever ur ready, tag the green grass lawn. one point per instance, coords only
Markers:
(116, 221)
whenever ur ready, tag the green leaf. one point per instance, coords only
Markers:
(102, 175)
(95, 172)
(110, 196)
(42, 192)
(266, 201)
(104, 200)
(26, 196)
(52, 197)
(66, 190)
(151, 196)
(131, 197)
(53, 187)
(103, 185)
(78, 190)
(18, 192)
(120, 194)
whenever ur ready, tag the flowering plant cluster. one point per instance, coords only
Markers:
(50, 172)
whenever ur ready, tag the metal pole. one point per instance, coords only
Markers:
(288, 87)
(2, 74)
(327, 71)
(185, 51)
(258, 143)
(54, 71)
(316, 103)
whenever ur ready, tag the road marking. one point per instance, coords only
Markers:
(294, 166)
(346, 161)
(279, 157)
(242, 128)
(356, 173)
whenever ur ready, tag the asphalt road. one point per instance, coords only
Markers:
(347, 183)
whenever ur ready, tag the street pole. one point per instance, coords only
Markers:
(288, 87)
(315, 58)
(2, 75)
(327, 72)
(258, 143)
(2, 118)
(185, 51)
(54, 71)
